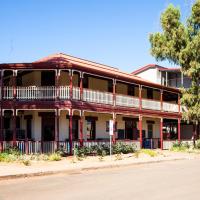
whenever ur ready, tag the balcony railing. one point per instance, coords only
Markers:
(128, 101)
(151, 104)
(97, 96)
(92, 96)
(170, 107)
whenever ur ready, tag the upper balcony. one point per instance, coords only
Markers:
(51, 93)
(47, 85)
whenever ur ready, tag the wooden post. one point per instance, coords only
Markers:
(81, 86)
(14, 128)
(114, 92)
(179, 130)
(179, 104)
(56, 129)
(140, 97)
(140, 130)
(71, 84)
(161, 100)
(14, 82)
(70, 131)
(57, 84)
(81, 129)
(161, 133)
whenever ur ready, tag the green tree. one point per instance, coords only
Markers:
(179, 43)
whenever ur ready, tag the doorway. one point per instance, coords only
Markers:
(48, 128)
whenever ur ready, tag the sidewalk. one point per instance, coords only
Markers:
(67, 165)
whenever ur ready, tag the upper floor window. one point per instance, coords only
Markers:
(131, 90)
(149, 93)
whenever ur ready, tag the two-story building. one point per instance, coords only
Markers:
(61, 100)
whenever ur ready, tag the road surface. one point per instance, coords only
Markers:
(168, 180)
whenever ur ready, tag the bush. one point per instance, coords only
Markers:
(198, 144)
(54, 157)
(119, 148)
(179, 146)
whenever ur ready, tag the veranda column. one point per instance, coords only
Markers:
(114, 129)
(114, 92)
(140, 130)
(179, 130)
(57, 134)
(57, 84)
(14, 106)
(161, 133)
(70, 131)
(81, 128)
(81, 86)
(161, 100)
(140, 97)
(71, 85)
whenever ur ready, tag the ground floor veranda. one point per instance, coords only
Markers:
(44, 131)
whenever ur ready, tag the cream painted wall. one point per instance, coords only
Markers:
(152, 74)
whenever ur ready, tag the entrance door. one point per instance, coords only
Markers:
(129, 129)
(48, 128)
(75, 129)
(91, 129)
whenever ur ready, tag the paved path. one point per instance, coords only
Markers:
(168, 180)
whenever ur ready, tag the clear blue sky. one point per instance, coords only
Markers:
(112, 32)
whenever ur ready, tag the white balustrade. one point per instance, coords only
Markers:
(122, 100)
(8, 92)
(35, 92)
(151, 104)
(76, 93)
(64, 92)
(170, 107)
(97, 96)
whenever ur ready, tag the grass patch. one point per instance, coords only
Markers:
(149, 152)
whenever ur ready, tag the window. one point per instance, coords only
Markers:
(91, 129)
(85, 82)
(149, 93)
(131, 90)
(110, 86)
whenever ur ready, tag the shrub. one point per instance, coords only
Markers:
(54, 157)
(119, 148)
(179, 146)
(198, 144)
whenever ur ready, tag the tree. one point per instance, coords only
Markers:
(179, 43)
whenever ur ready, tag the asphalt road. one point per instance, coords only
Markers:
(169, 180)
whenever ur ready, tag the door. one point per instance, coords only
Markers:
(129, 129)
(91, 129)
(48, 128)
(75, 129)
